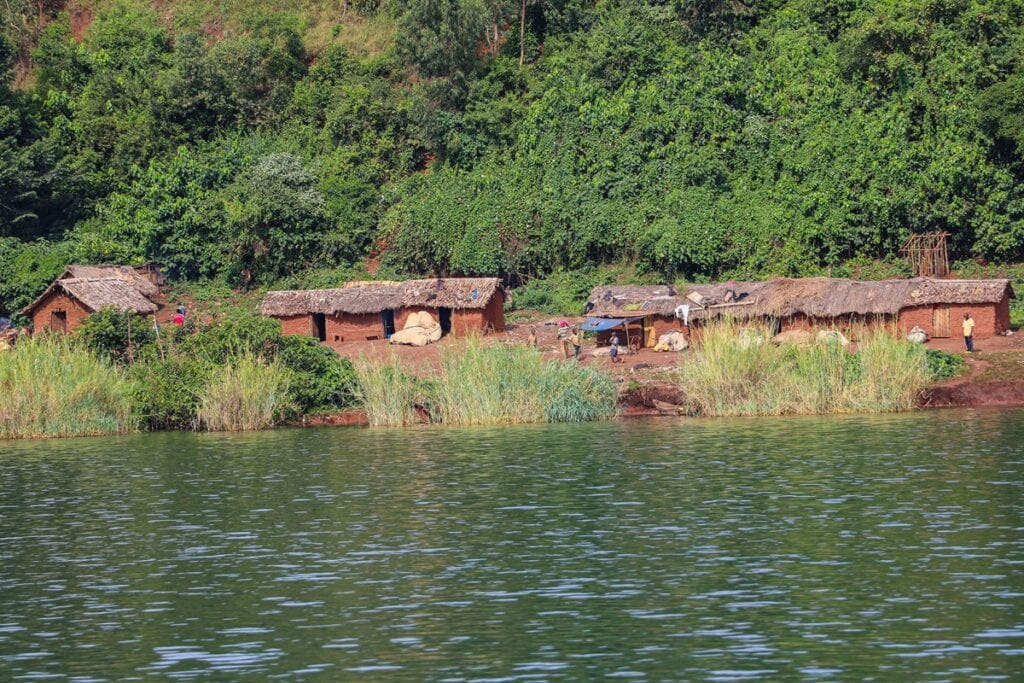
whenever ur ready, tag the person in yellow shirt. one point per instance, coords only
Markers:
(969, 332)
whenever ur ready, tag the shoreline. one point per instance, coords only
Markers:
(661, 399)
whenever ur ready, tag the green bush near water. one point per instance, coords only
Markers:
(55, 387)
(487, 384)
(167, 393)
(731, 373)
(942, 365)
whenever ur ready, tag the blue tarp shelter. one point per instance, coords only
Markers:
(603, 324)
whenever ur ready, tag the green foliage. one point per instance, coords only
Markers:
(942, 365)
(486, 384)
(440, 37)
(245, 394)
(232, 337)
(54, 387)
(121, 336)
(167, 392)
(26, 269)
(696, 139)
(321, 380)
(739, 371)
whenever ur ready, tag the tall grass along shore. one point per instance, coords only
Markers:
(736, 371)
(482, 383)
(54, 387)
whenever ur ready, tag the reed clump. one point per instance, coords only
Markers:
(481, 384)
(739, 371)
(247, 393)
(55, 387)
(388, 393)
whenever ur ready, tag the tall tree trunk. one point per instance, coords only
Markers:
(522, 32)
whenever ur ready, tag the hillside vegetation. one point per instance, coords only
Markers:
(285, 142)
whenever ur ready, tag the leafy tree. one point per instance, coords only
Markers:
(440, 37)
(275, 215)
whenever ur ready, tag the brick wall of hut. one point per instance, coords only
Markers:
(849, 325)
(56, 302)
(476, 320)
(345, 327)
(296, 324)
(989, 319)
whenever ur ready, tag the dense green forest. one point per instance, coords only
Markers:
(286, 142)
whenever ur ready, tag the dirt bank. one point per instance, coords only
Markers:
(993, 379)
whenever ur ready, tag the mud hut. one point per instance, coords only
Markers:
(68, 301)
(362, 311)
(359, 311)
(639, 314)
(463, 306)
(849, 305)
(938, 307)
(786, 304)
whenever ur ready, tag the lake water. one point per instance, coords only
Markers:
(883, 548)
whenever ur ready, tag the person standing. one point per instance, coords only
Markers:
(574, 339)
(563, 337)
(969, 332)
(613, 350)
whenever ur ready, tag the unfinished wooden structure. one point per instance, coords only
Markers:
(927, 254)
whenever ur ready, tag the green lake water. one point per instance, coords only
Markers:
(885, 548)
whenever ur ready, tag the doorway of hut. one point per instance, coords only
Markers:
(59, 321)
(388, 318)
(320, 326)
(444, 316)
(940, 320)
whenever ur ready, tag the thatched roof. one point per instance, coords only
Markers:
(126, 273)
(454, 292)
(97, 293)
(373, 297)
(621, 301)
(813, 297)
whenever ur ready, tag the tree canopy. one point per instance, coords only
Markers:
(694, 138)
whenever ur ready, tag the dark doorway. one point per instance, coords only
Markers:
(59, 321)
(320, 326)
(388, 318)
(445, 318)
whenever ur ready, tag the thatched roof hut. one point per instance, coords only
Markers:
(362, 297)
(100, 272)
(780, 298)
(622, 301)
(97, 293)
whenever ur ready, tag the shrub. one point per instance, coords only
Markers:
(321, 379)
(167, 392)
(115, 334)
(942, 365)
(53, 387)
(245, 394)
(236, 335)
